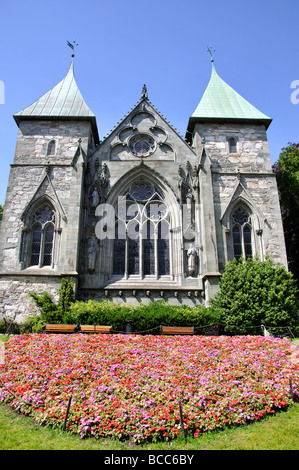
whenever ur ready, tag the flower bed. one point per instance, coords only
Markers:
(129, 386)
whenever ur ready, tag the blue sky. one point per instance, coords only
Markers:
(163, 43)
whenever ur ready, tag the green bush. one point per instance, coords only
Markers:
(50, 311)
(255, 293)
(144, 317)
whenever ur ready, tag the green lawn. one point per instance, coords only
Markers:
(279, 432)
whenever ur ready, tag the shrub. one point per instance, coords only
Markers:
(144, 317)
(50, 311)
(255, 293)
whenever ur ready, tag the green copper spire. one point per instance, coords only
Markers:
(221, 102)
(63, 100)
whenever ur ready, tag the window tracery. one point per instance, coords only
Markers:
(141, 245)
(42, 236)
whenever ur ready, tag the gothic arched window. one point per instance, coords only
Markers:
(51, 148)
(241, 232)
(43, 236)
(232, 145)
(141, 244)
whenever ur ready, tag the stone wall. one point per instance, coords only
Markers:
(15, 303)
(245, 177)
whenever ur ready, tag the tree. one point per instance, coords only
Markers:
(255, 293)
(286, 170)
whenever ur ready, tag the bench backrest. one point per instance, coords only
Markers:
(95, 328)
(177, 330)
(56, 328)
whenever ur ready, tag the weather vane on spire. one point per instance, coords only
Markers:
(72, 46)
(210, 51)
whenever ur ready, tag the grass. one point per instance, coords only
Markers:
(277, 432)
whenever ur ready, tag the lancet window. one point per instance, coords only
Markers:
(242, 234)
(51, 147)
(43, 229)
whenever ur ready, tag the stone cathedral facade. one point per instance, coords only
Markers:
(144, 214)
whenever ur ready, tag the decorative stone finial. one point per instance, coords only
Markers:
(144, 94)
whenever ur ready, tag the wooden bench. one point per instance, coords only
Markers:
(177, 330)
(95, 329)
(53, 328)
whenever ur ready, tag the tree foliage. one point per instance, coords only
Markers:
(255, 293)
(287, 176)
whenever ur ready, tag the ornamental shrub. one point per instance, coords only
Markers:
(255, 293)
(144, 317)
(50, 311)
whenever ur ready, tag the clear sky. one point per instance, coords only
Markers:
(163, 43)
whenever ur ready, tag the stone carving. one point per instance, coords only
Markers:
(95, 199)
(104, 180)
(188, 181)
(192, 259)
(44, 215)
(91, 255)
(144, 93)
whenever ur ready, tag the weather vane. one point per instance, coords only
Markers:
(210, 51)
(72, 46)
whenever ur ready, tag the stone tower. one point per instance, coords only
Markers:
(143, 215)
(41, 221)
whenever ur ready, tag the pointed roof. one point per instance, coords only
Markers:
(64, 99)
(221, 102)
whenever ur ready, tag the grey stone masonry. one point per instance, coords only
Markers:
(141, 216)
(35, 177)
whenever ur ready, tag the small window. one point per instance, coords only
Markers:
(51, 148)
(232, 146)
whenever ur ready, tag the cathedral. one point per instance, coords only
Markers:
(145, 214)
